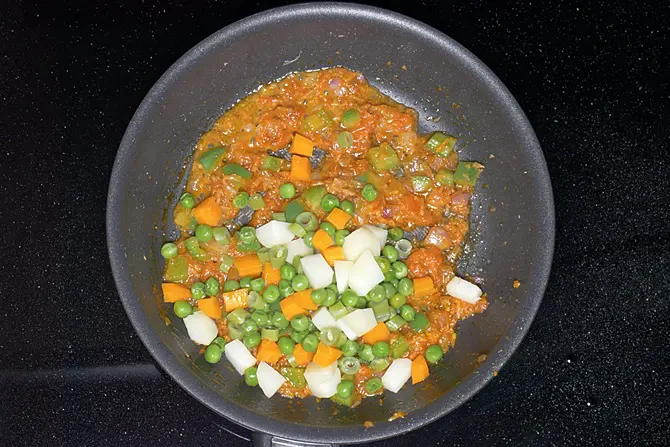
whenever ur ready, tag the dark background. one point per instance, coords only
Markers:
(593, 80)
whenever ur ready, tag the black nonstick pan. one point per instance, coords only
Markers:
(512, 233)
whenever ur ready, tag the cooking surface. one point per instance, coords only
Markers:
(589, 77)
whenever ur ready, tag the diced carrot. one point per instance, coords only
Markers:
(378, 333)
(235, 299)
(175, 292)
(270, 275)
(302, 357)
(332, 254)
(419, 369)
(322, 240)
(338, 218)
(208, 212)
(302, 146)
(268, 351)
(249, 265)
(290, 308)
(211, 307)
(304, 300)
(326, 355)
(300, 168)
(424, 286)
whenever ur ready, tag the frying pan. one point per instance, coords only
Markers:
(512, 221)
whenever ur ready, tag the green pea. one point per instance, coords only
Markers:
(251, 376)
(369, 192)
(300, 323)
(381, 349)
(365, 353)
(390, 253)
(434, 354)
(390, 289)
(349, 298)
(169, 250)
(245, 282)
(340, 235)
(285, 288)
(406, 287)
(399, 269)
(397, 301)
(230, 285)
(182, 309)
(241, 200)
(247, 234)
(300, 283)
(329, 202)
(407, 312)
(203, 233)
(287, 190)
(287, 272)
(252, 340)
(257, 285)
(362, 302)
(307, 239)
(197, 290)
(394, 282)
(377, 294)
(298, 336)
(212, 286)
(279, 320)
(259, 317)
(286, 345)
(249, 326)
(373, 385)
(384, 264)
(331, 298)
(187, 201)
(213, 353)
(318, 296)
(271, 294)
(395, 233)
(310, 343)
(348, 206)
(345, 389)
(349, 348)
(328, 228)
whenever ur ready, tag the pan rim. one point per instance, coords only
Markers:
(472, 384)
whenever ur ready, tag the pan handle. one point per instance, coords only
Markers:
(264, 440)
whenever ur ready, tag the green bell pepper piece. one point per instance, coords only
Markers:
(271, 163)
(211, 158)
(317, 121)
(193, 247)
(441, 144)
(421, 183)
(419, 323)
(467, 173)
(345, 401)
(177, 269)
(383, 157)
(294, 375)
(399, 347)
(312, 196)
(292, 210)
(234, 168)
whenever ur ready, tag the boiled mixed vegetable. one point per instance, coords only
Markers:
(309, 295)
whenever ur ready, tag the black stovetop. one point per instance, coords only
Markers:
(593, 80)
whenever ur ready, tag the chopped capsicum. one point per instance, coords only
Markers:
(441, 143)
(383, 157)
(234, 168)
(294, 375)
(193, 247)
(421, 183)
(177, 269)
(312, 196)
(271, 163)
(210, 159)
(317, 121)
(467, 173)
(292, 210)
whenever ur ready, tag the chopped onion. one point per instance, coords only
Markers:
(361, 321)
(464, 290)
(365, 274)
(274, 233)
(342, 273)
(351, 335)
(323, 319)
(397, 374)
(239, 356)
(380, 233)
(323, 382)
(461, 198)
(269, 379)
(201, 329)
(298, 248)
(317, 270)
(359, 241)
